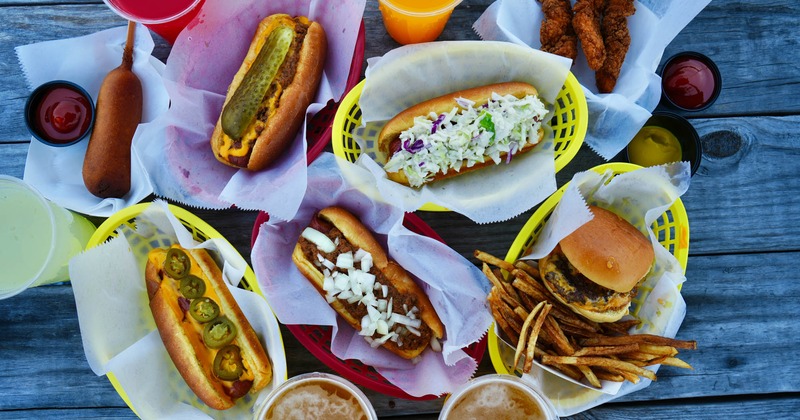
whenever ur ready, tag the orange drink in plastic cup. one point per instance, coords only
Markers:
(414, 21)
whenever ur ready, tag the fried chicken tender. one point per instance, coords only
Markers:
(586, 21)
(556, 34)
(617, 40)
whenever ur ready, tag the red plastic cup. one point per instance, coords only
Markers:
(166, 18)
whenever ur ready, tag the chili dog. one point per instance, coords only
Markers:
(461, 131)
(376, 296)
(267, 99)
(107, 163)
(204, 331)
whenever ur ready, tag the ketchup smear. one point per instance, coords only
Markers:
(63, 115)
(689, 82)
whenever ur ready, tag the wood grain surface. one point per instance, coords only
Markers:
(742, 283)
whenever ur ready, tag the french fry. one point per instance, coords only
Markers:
(606, 350)
(674, 361)
(529, 355)
(503, 324)
(531, 270)
(523, 336)
(605, 362)
(542, 328)
(588, 373)
(491, 259)
(641, 339)
(608, 376)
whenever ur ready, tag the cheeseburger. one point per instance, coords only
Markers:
(595, 270)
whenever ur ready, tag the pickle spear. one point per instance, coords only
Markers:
(240, 111)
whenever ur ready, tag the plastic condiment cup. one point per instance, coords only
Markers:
(497, 396)
(648, 152)
(415, 21)
(59, 113)
(37, 236)
(690, 81)
(166, 18)
(316, 395)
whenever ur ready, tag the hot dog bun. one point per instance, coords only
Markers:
(282, 109)
(183, 335)
(401, 286)
(391, 132)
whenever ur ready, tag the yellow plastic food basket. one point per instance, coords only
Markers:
(569, 126)
(671, 229)
(201, 231)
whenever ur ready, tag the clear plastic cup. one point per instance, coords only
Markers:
(415, 21)
(497, 396)
(166, 18)
(316, 395)
(38, 238)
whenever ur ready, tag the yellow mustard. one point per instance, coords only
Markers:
(654, 145)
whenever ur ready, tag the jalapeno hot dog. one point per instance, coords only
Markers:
(205, 333)
(267, 99)
(376, 296)
(462, 131)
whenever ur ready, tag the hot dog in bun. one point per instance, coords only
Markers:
(376, 296)
(267, 99)
(205, 333)
(462, 131)
(596, 269)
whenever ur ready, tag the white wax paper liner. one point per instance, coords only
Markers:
(437, 68)
(117, 328)
(640, 197)
(201, 65)
(456, 288)
(616, 117)
(86, 60)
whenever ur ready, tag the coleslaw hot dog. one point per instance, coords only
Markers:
(462, 131)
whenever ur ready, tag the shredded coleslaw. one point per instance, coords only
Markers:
(467, 135)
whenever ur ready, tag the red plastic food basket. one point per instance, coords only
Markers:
(317, 339)
(320, 126)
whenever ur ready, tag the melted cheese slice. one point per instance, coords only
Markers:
(193, 328)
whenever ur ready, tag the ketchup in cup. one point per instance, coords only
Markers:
(167, 18)
(690, 81)
(59, 113)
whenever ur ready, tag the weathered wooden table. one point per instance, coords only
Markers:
(742, 286)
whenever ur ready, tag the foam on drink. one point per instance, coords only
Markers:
(497, 398)
(316, 398)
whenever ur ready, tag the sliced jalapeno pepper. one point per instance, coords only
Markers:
(228, 363)
(219, 332)
(192, 286)
(177, 264)
(204, 309)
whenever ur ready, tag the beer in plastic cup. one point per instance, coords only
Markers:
(164, 17)
(414, 21)
(37, 238)
(497, 396)
(316, 396)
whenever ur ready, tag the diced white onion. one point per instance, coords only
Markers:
(413, 330)
(382, 304)
(373, 313)
(319, 239)
(359, 255)
(353, 299)
(330, 298)
(385, 290)
(327, 284)
(402, 319)
(366, 262)
(329, 265)
(342, 282)
(382, 327)
(345, 260)
(346, 294)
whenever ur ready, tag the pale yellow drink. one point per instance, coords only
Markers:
(37, 238)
